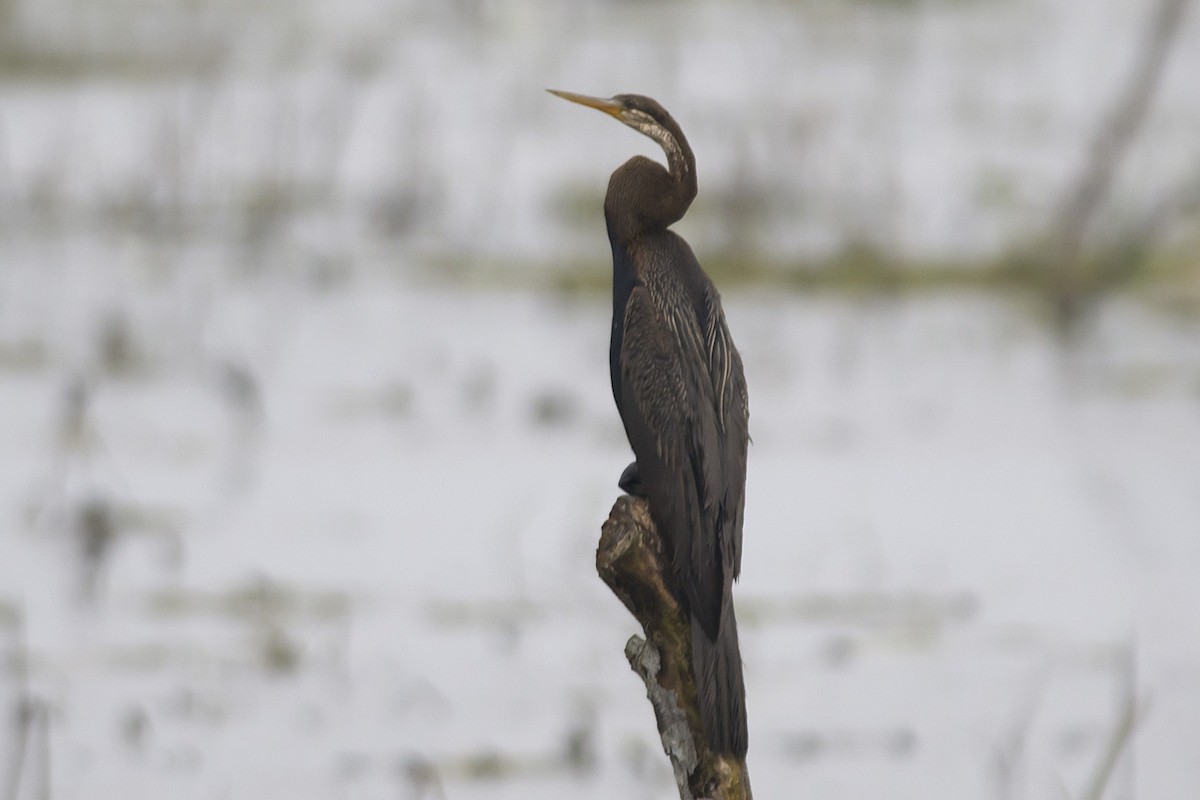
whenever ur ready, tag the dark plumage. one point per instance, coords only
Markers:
(678, 383)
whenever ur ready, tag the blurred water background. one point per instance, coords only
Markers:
(306, 435)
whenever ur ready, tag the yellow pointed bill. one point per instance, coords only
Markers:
(611, 107)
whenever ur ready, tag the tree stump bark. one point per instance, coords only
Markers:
(630, 561)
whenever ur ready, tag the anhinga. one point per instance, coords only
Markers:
(678, 383)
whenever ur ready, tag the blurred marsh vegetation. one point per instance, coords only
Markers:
(859, 142)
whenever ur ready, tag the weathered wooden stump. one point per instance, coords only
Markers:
(630, 560)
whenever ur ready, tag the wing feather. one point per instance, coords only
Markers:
(684, 396)
(733, 415)
(653, 374)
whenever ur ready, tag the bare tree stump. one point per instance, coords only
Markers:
(630, 560)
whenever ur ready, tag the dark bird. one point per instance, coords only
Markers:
(678, 383)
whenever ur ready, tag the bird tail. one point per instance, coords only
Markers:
(719, 686)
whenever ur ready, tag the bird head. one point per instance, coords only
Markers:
(635, 110)
(644, 115)
(641, 113)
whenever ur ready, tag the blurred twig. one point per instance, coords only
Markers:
(1009, 754)
(1117, 741)
(27, 712)
(1107, 149)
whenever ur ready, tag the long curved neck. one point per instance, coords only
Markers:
(644, 196)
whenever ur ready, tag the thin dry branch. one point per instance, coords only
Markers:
(629, 559)
(1118, 739)
(1110, 144)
